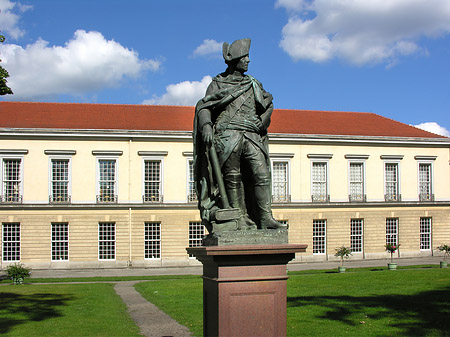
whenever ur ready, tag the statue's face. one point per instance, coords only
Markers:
(242, 64)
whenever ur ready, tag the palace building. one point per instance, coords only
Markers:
(102, 185)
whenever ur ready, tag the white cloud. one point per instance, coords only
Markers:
(208, 47)
(183, 93)
(9, 19)
(361, 31)
(85, 63)
(434, 128)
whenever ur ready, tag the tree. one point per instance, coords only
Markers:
(4, 89)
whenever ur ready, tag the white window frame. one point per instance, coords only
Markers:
(195, 235)
(4, 241)
(114, 240)
(363, 166)
(116, 179)
(358, 236)
(398, 196)
(426, 234)
(317, 250)
(392, 234)
(161, 178)
(286, 161)
(150, 240)
(65, 242)
(326, 197)
(430, 196)
(2, 174)
(191, 195)
(69, 178)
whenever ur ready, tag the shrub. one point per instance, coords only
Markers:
(344, 253)
(17, 272)
(445, 249)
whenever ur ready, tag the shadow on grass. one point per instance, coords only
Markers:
(414, 314)
(17, 309)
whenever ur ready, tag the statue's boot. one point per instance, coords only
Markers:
(264, 209)
(236, 198)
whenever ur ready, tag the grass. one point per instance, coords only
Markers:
(64, 310)
(361, 302)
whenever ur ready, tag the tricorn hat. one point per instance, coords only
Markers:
(237, 49)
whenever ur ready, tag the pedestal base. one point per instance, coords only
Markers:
(244, 288)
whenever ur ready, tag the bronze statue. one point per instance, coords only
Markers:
(231, 156)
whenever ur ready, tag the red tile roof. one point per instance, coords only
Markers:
(180, 118)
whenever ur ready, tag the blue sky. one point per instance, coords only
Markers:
(387, 57)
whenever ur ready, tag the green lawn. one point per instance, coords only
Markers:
(361, 302)
(64, 310)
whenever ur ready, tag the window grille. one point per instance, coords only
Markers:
(60, 241)
(319, 182)
(425, 233)
(152, 181)
(356, 235)
(391, 181)
(107, 180)
(392, 231)
(319, 236)
(280, 182)
(152, 240)
(425, 192)
(196, 234)
(11, 180)
(357, 182)
(192, 195)
(60, 181)
(11, 242)
(106, 241)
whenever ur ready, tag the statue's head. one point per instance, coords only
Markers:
(236, 50)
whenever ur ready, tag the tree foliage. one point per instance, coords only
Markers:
(4, 89)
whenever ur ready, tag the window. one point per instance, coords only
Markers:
(425, 233)
(425, 186)
(319, 236)
(356, 235)
(11, 242)
(59, 180)
(192, 195)
(60, 241)
(280, 181)
(391, 182)
(107, 180)
(392, 231)
(12, 180)
(356, 182)
(196, 234)
(152, 240)
(319, 182)
(106, 241)
(152, 181)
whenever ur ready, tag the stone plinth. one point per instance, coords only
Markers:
(244, 288)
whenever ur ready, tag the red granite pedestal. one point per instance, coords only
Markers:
(244, 288)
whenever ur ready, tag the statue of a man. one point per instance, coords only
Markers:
(231, 121)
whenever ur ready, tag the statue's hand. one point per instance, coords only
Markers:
(207, 134)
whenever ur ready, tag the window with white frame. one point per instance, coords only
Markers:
(319, 236)
(280, 181)
(11, 242)
(12, 180)
(106, 241)
(196, 234)
(60, 241)
(425, 182)
(152, 181)
(152, 240)
(391, 178)
(356, 182)
(392, 231)
(59, 180)
(425, 233)
(107, 180)
(319, 188)
(356, 235)
(192, 195)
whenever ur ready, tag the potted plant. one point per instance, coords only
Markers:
(446, 250)
(392, 249)
(17, 272)
(344, 253)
